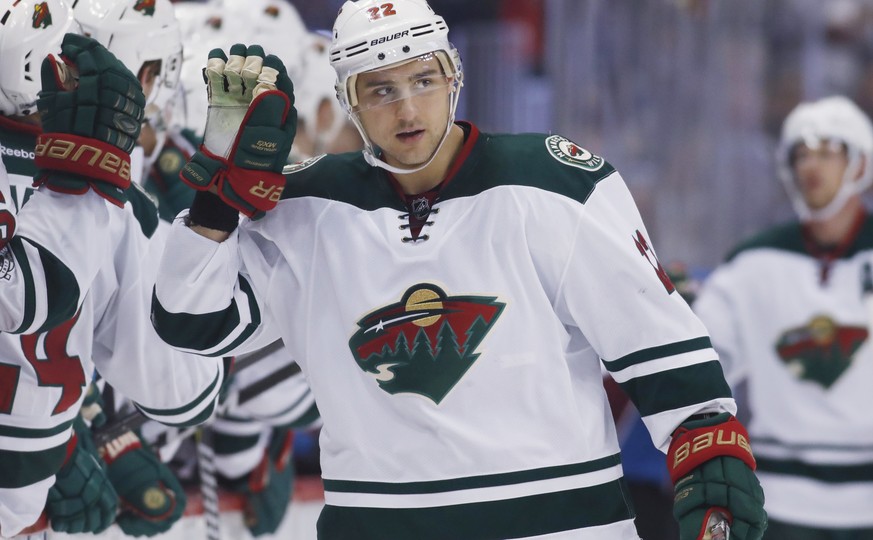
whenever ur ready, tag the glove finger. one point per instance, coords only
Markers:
(214, 72)
(233, 69)
(251, 69)
(56, 76)
(282, 82)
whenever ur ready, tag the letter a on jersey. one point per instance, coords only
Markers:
(425, 343)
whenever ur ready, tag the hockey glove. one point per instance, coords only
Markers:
(712, 468)
(90, 124)
(82, 499)
(249, 131)
(152, 499)
(268, 488)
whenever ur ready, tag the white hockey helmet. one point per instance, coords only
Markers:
(30, 30)
(136, 32)
(370, 34)
(834, 119)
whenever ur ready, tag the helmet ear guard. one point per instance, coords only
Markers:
(828, 120)
(30, 31)
(370, 35)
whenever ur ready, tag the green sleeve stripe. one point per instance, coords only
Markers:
(34, 433)
(472, 482)
(655, 353)
(20, 469)
(62, 289)
(29, 289)
(226, 444)
(832, 474)
(185, 408)
(535, 515)
(677, 388)
(205, 331)
(307, 418)
(144, 209)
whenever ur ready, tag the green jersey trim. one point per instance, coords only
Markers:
(533, 515)
(62, 289)
(34, 433)
(789, 237)
(163, 415)
(472, 482)
(831, 474)
(205, 331)
(677, 388)
(20, 469)
(655, 353)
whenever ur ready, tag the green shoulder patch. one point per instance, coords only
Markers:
(301, 165)
(570, 153)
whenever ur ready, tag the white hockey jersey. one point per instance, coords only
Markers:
(75, 289)
(458, 377)
(799, 332)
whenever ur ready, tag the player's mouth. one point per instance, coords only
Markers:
(410, 136)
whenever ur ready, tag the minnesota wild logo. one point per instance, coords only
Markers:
(42, 17)
(146, 7)
(425, 343)
(821, 350)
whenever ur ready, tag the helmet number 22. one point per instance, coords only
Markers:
(384, 10)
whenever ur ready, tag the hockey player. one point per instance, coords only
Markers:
(75, 280)
(790, 313)
(450, 295)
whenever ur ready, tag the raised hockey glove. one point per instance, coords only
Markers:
(82, 500)
(269, 486)
(152, 499)
(92, 108)
(249, 130)
(713, 469)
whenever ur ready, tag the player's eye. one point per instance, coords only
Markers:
(383, 91)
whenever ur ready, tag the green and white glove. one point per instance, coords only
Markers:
(82, 500)
(269, 487)
(249, 130)
(713, 469)
(152, 499)
(92, 108)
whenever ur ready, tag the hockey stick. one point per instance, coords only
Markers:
(136, 419)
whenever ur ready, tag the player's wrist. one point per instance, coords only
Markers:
(208, 210)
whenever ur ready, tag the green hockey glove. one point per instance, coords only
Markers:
(92, 108)
(267, 488)
(152, 499)
(713, 469)
(249, 130)
(82, 499)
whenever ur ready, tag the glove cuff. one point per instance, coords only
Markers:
(83, 156)
(694, 444)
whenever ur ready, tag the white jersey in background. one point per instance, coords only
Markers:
(809, 364)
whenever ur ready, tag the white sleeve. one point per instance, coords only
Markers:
(715, 307)
(204, 301)
(614, 289)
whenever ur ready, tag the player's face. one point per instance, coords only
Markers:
(819, 171)
(405, 109)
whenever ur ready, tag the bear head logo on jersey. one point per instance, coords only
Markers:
(425, 343)
(821, 350)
